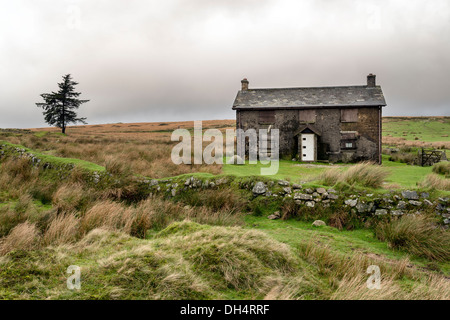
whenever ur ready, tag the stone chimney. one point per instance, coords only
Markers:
(371, 83)
(244, 83)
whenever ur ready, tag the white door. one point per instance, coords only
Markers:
(307, 147)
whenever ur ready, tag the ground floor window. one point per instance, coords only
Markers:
(348, 144)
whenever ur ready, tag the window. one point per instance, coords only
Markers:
(267, 117)
(349, 115)
(348, 144)
(307, 116)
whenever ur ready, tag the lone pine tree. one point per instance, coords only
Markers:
(59, 106)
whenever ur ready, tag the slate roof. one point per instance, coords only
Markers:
(310, 97)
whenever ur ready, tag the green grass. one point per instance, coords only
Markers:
(293, 232)
(426, 129)
(403, 174)
(59, 161)
(294, 171)
(191, 261)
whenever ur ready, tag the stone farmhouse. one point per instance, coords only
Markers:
(335, 124)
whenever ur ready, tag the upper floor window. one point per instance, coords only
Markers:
(307, 116)
(267, 116)
(349, 115)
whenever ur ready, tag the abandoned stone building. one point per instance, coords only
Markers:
(335, 124)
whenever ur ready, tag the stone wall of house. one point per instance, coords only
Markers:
(328, 122)
(286, 121)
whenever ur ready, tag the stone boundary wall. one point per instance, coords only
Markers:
(393, 203)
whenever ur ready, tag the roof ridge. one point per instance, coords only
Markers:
(323, 87)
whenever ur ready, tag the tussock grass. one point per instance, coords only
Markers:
(221, 199)
(24, 236)
(244, 260)
(9, 218)
(185, 261)
(366, 174)
(442, 168)
(355, 288)
(418, 235)
(435, 181)
(145, 150)
(69, 197)
(348, 278)
(62, 230)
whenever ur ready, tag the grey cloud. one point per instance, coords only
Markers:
(183, 60)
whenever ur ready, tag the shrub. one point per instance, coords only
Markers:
(417, 235)
(402, 157)
(443, 168)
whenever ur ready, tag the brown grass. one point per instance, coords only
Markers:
(143, 148)
(442, 168)
(416, 234)
(23, 237)
(436, 181)
(347, 274)
(366, 174)
(63, 229)
(398, 141)
(69, 197)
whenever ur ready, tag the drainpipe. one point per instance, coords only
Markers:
(379, 134)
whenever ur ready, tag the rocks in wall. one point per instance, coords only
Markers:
(259, 188)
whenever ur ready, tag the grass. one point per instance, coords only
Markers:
(365, 174)
(435, 181)
(58, 160)
(346, 242)
(140, 148)
(191, 261)
(428, 129)
(186, 261)
(442, 168)
(418, 235)
(291, 170)
(213, 244)
(405, 175)
(400, 174)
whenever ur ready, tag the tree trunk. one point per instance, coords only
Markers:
(64, 115)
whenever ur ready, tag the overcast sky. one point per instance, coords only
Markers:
(143, 61)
